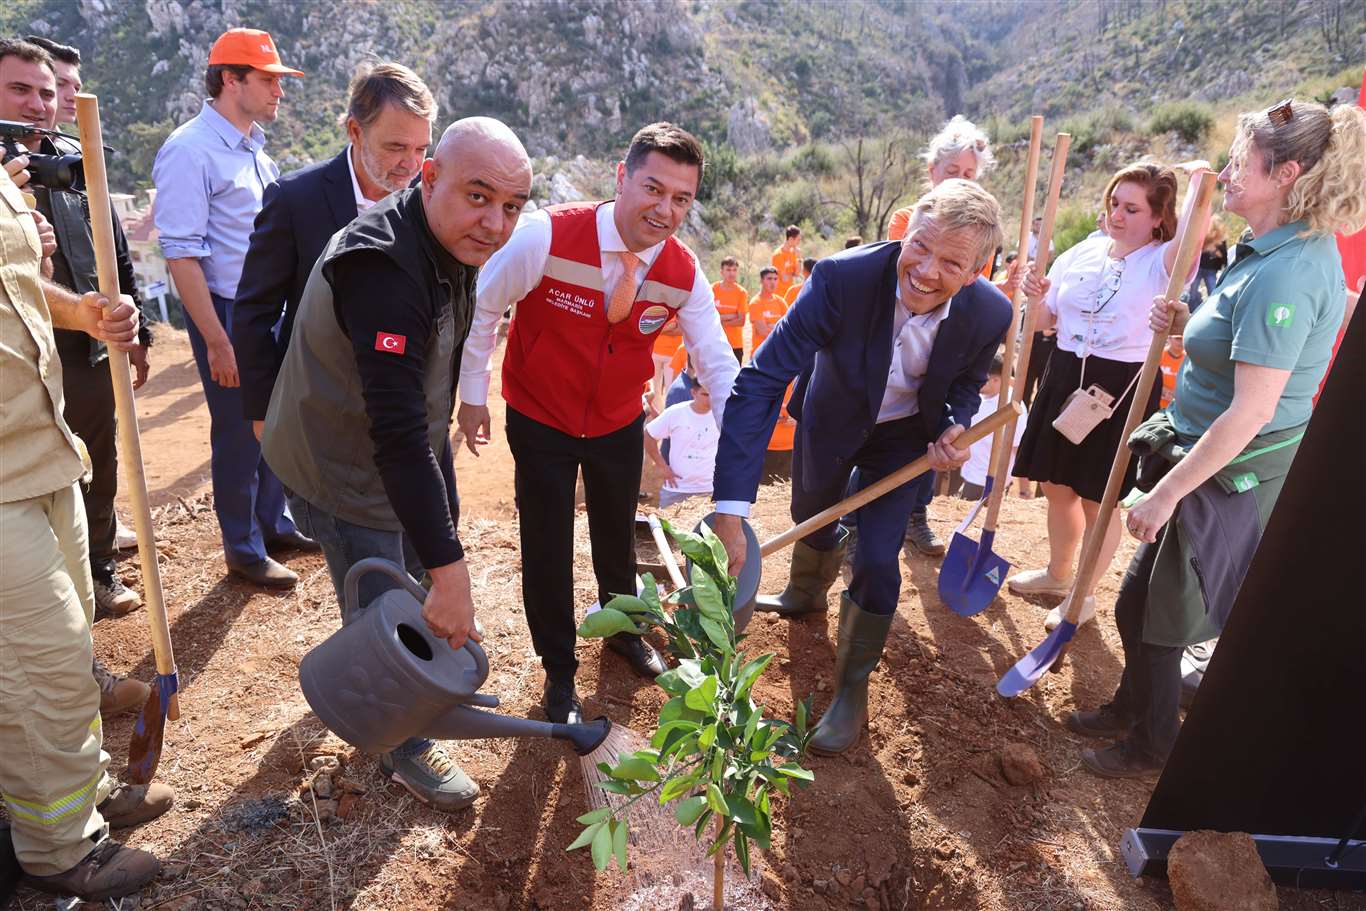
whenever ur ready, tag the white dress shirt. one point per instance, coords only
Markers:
(1101, 303)
(912, 341)
(361, 202)
(512, 272)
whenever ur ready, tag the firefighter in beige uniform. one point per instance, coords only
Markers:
(53, 782)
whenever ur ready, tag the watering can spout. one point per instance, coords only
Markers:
(463, 722)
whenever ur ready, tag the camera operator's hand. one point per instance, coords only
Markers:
(119, 328)
(17, 169)
(223, 363)
(47, 235)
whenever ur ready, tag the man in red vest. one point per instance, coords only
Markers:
(592, 283)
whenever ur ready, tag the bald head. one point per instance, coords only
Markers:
(475, 186)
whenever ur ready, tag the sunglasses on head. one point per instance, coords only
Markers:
(1281, 114)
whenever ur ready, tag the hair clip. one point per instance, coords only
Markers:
(1281, 114)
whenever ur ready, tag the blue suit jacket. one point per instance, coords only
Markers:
(299, 214)
(838, 338)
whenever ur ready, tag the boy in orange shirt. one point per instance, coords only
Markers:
(731, 302)
(787, 259)
(766, 308)
(807, 265)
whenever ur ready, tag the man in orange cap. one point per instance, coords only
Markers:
(210, 176)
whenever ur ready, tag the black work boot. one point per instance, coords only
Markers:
(109, 871)
(922, 537)
(808, 580)
(861, 638)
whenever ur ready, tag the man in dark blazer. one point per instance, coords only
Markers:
(389, 122)
(890, 343)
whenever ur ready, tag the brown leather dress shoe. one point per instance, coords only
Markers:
(266, 573)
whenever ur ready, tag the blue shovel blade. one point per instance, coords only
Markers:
(971, 575)
(1031, 667)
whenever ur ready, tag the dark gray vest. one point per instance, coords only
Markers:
(317, 434)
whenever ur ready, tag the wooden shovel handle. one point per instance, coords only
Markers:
(981, 429)
(1001, 445)
(666, 552)
(1188, 248)
(102, 231)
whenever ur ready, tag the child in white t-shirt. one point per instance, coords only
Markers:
(978, 465)
(692, 434)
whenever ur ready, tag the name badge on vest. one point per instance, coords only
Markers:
(652, 318)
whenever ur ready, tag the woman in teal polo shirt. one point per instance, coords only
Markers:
(1256, 351)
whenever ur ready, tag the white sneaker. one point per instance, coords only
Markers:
(1054, 618)
(1037, 582)
(124, 537)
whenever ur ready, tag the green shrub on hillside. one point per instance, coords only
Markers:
(815, 159)
(1073, 224)
(722, 166)
(1190, 120)
(797, 202)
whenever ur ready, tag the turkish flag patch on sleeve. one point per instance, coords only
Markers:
(390, 343)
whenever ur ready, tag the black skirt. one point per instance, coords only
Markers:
(1046, 455)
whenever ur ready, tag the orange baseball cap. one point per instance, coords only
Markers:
(249, 47)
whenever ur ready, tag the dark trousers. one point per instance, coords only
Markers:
(89, 412)
(247, 497)
(547, 464)
(881, 524)
(344, 545)
(1150, 688)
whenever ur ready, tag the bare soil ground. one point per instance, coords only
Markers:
(916, 816)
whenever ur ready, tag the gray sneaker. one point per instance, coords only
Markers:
(432, 777)
(113, 596)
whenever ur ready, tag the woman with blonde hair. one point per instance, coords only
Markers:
(1097, 295)
(1256, 351)
(1213, 260)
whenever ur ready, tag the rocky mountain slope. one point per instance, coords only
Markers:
(577, 76)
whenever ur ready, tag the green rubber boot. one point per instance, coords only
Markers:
(861, 638)
(808, 581)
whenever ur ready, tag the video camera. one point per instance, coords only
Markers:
(55, 172)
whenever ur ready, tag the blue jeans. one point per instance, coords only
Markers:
(344, 545)
(247, 497)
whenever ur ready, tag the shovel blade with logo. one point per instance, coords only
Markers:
(972, 573)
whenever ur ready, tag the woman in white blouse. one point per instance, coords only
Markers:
(1097, 296)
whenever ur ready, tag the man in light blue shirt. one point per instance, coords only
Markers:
(210, 176)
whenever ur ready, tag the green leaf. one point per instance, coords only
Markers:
(716, 800)
(707, 737)
(740, 810)
(803, 708)
(677, 681)
(702, 696)
(606, 622)
(692, 546)
(595, 816)
(716, 632)
(677, 787)
(687, 811)
(674, 709)
(718, 552)
(708, 597)
(614, 787)
(749, 674)
(796, 771)
(650, 592)
(602, 846)
(586, 836)
(629, 604)
(619, 843)
(636, 769)
(661, 738)
(742, 851)
(752, 726)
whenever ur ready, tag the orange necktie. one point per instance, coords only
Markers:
(624, 294)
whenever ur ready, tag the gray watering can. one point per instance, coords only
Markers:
(385, 678)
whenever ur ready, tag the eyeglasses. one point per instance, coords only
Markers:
(1110, 280)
